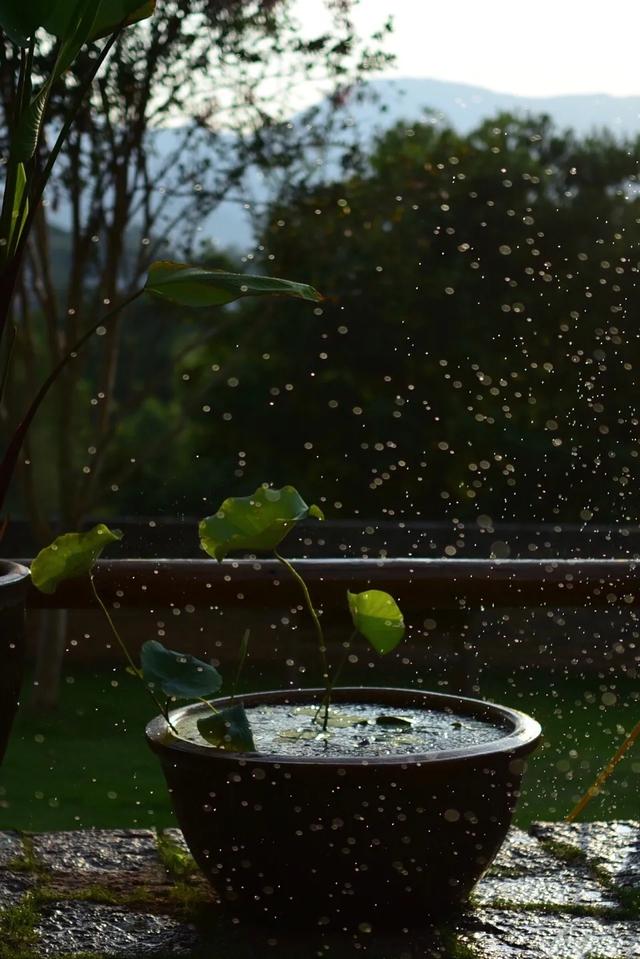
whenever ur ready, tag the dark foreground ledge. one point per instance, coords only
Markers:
(556, 892)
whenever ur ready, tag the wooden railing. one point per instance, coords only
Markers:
(418, 584)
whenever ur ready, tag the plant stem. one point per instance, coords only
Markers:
(207, 703)
(594, 789)
(11, 175)
(318, 627)
(127, 655)
(244, 649)
(332, 682)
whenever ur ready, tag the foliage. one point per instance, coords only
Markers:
(137, 178)
(258, 522)
(178, 675)
(76, 71)
(228, 728)
(70, 555)
(474, 352)
(378, 618)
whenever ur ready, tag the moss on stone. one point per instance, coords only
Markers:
(27, 861)
(178, 863)
(18, 929)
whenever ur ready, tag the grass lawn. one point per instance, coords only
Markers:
(87, 764)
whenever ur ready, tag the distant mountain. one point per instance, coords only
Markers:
(464, 106)
(410, 99)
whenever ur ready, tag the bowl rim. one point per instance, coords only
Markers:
(522, 731)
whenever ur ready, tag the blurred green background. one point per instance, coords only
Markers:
(88, 764)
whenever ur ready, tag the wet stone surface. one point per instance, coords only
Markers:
(97, 851)
(528, 935)
(556, 892)
(12, 888)
(611, 847)
(79, 927)
(526, 874)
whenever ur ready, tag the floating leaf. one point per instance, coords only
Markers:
(228, 729)
(193, 286)
(393, 721)
(259, 522)
(69, 556)
(301, 734)
(336, 720)
(378, 618)
(178, 675)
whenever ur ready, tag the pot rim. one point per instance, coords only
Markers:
(521, 738)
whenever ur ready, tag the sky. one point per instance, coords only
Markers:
(512, 46)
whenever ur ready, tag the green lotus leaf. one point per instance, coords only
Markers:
(257, 523)
(377, 616)
(69, 556)
(228, 729)
(178, 675)
(194, 286)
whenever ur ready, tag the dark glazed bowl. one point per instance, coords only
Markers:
(14, 581)
(390, 842)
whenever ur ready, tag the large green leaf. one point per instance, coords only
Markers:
(377, 616)
(69, 556)
(193, 286)
(21, 18)
(105, 16)
(259, 522)
(75, 23)
(228, 729)
(115, 12)
(178, 675)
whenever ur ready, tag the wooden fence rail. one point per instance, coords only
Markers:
(417, 584)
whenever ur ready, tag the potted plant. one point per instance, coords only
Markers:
(333, 805)
(68, 26)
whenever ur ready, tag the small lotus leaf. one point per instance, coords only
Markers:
(378, 618)
(197, 287)
(178, 675)
(228, 729)
(259, 522)
(69, 556)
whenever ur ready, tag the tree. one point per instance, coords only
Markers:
(475, 355)
(182, 110)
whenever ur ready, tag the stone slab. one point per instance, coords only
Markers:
(529, 935)
(96, 853)
(526, 874)
(12, 888)
(10, 848)
(80, 927)
(613, 847)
